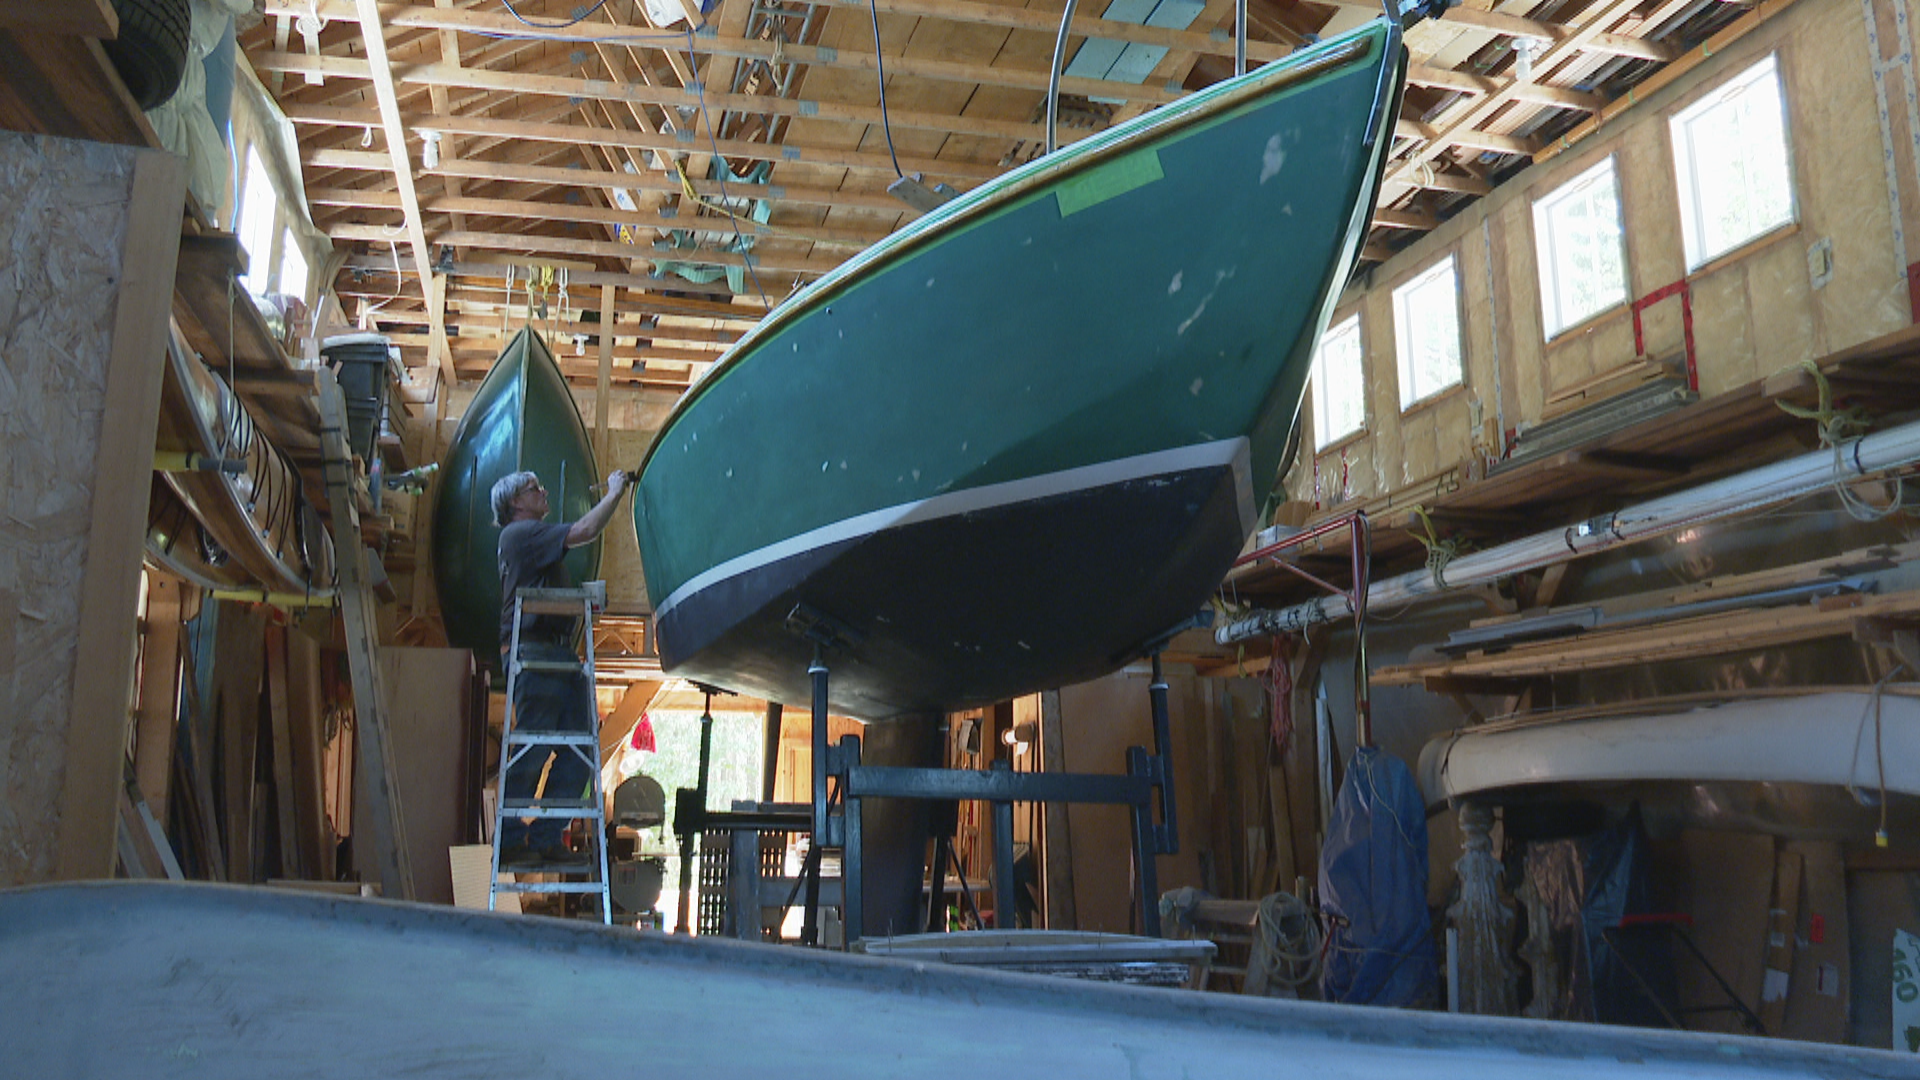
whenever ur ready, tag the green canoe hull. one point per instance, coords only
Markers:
(1008, 446)
(523, 417)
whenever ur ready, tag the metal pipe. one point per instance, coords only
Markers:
(1163, 764)
(1757, 489)
(1053, 74)
(817, 838)
(1239, 37)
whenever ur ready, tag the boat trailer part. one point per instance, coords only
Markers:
(1745, 493)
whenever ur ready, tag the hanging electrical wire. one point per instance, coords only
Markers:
(880, 64)
(584, 16)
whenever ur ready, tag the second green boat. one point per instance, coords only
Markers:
(523, 417)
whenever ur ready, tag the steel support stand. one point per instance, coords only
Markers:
(689, 813)
(810, 920)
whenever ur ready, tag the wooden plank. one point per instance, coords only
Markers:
(426, 708)
(103, 657)
(576, 134)
(154, 735)
(85, 18)
(1708, 635)
(56, 84)
(375, 773)
(285, 803)
(1057, 843)
(442, 76)
(1783, 920)
(306, 722)
(547, 210)
(373, 36)
(603, 396)
(237, 660)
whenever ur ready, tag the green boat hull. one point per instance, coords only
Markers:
(1008, 446)
(523, 417)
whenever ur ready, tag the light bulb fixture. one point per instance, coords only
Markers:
(430, 157)
(1526, 50)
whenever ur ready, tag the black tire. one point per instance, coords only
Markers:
(151, 51)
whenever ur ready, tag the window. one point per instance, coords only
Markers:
(293, 267)
(1426, 325)
(1583, 266)
(254, 221)
(1730, 157)
(1339, 385)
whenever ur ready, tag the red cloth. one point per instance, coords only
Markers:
(642, 737)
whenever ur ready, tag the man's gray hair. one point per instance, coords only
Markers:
(505, 490)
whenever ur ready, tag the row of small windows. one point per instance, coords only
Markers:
(255, 222)
(1735, 184)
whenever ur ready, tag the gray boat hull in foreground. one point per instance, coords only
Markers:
(141, 979)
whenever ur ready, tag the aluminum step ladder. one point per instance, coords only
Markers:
(515, 745)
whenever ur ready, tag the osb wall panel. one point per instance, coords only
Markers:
(619, 546)
(1755, 310)
(1098, 721)
(63, 221)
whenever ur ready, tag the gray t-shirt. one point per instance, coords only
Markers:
(531, 556)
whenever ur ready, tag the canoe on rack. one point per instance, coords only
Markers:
(248, 527)
(1010, 445)
(522, 417)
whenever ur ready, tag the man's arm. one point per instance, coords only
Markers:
(594, 522)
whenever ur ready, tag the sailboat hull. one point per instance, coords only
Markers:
(1151, 294)
(926, 640)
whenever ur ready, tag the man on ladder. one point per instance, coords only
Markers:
(531, 554)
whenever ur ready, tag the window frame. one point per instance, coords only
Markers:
(1550, 245)
(1412, 397)
(1690, 192)
(1323, 438)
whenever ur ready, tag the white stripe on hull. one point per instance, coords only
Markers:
(1230, 453)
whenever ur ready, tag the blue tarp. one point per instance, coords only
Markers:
(1373, 886)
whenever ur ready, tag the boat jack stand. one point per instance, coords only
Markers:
(822, 834)
(689, 806)
(1147, 781)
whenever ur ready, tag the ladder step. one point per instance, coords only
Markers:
(567, 808)
(553, 738)
(563, 667)
(548, 886)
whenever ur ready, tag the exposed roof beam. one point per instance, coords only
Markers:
(531, 245)
(547, 211)
(1017, 18)
(573, 134)
(744, 307)
(1462, 120)
(1466, 82)
(642, 93)
(373, 34)
(559, 176)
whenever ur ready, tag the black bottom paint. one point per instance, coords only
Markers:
(971, 609)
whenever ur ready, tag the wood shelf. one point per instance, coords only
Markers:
(221, 323)
(1739, 429)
